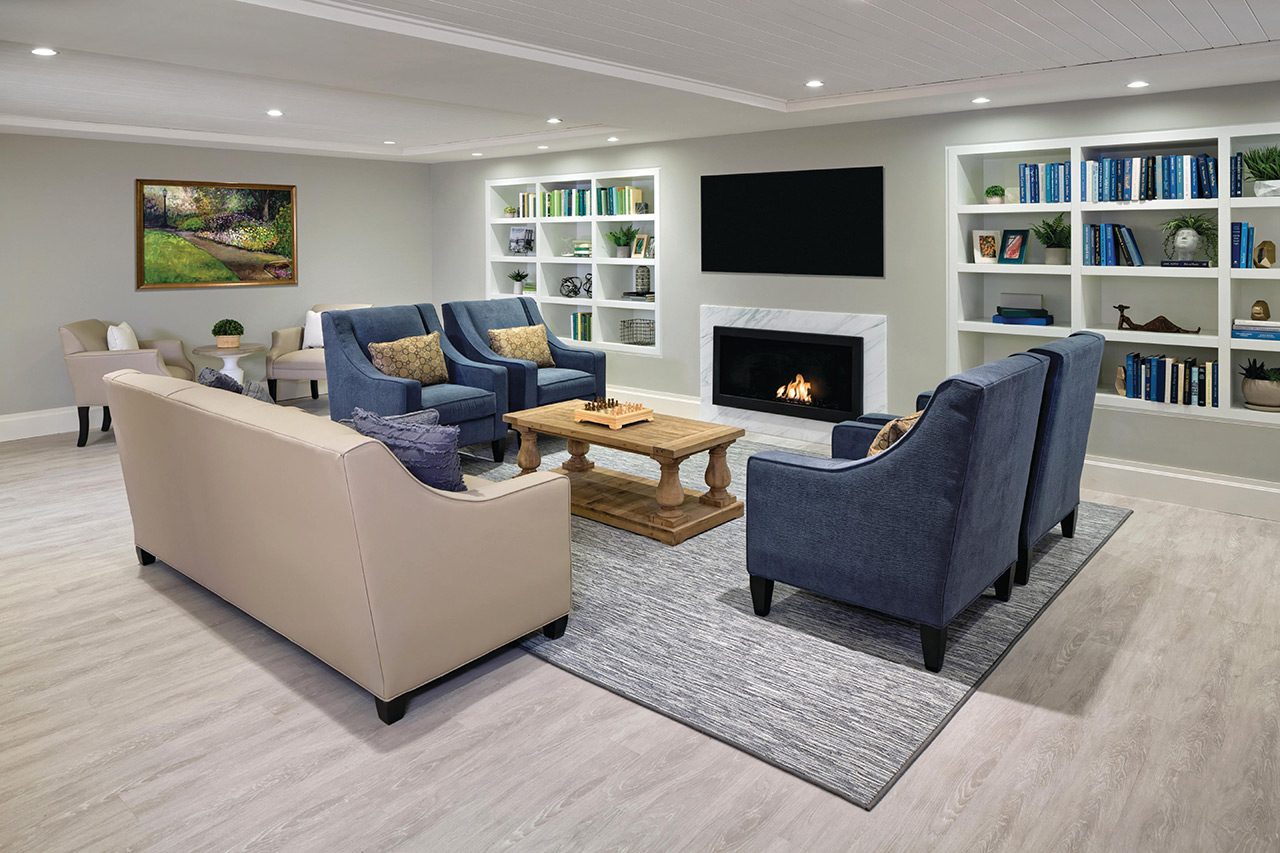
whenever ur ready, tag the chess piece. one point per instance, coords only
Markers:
(1260, 310)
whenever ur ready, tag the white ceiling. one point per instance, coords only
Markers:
(445, 79)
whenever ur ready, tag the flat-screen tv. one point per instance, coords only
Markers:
(809, 222)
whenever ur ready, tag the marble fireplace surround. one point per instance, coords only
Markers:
(872, 328)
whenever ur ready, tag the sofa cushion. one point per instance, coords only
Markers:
(459, 403)
(300, 364)
(312, 334)
(891, 432)
(419, 358)
(526, 342)
(121, 337)
(562, 383)
(424, 417)
(429, 452)
(217, 379)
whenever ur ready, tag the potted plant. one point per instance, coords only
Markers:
(1185, 235)
(518, 276)
(622, 240)
(1055, 235)
(509, 211)
(227, 333)
(995, 194)
(1264, 170)
(1261, 385)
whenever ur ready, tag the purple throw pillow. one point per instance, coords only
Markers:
(429, 451)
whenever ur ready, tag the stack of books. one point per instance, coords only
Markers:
(1172, 176)
(530, 286)
(565, 203)
(1022, 316)
(1044, 182)
(1167, 380)
(1258, 330)
(1241, 246)
(581, 326)
(527, 205)
(637, 296)
(1109, 245)
(618, 201)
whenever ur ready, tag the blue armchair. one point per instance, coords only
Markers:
(578, 374)
(474, 399)
(957, 481)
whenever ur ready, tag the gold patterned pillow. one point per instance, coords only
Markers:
(418, 357)
(527, 342)
(891, 432)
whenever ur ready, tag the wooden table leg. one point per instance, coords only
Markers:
(670, 494)
(528, 458)
(718, 479)
(578, 460)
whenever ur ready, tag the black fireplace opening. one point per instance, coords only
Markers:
(798, 374)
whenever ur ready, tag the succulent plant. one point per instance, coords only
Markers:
(1258, 370)
(1263, 163)
(518, 276)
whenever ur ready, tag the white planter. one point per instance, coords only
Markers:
(1261, 392)
(1266, 189)
(995, 199)
(1055, 257)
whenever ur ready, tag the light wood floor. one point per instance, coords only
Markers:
(140, 712)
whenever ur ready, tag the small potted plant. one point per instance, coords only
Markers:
(1187, 234)
(509, 212)
(518, 276)
(1055, 235)
(622, 240)
(1264, 170)
(1260, 386)
(995, 194)
(227, 333)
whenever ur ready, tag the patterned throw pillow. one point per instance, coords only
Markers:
(891, 432)
(422, 417)
(429, 452)
(418, 357)
(526, 342)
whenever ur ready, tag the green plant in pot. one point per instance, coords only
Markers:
(518, 276)
(622, 240)
(1260, 386)
(227, 333)
(508, 211)
(1187, 234)
(995, 194)
(1263, 165)
(1055, 235)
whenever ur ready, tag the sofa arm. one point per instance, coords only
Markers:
(171, 351)
(283, 342)
(922, 400)
(852, 439)
(370, 388)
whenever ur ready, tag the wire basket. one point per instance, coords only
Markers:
(637, 332)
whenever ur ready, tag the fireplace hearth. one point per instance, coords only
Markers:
(797, 374)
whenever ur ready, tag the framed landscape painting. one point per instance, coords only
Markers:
(205, 234)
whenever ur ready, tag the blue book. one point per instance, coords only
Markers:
(1256, 334)
(1022, 183)
(1127, 194)
(1203, 174)
(1164, 176)
(1212, 163)
(1235, 245)
(1022, 321)
(1033, 180)
(1108, 246)
(1161, 377)
(1131, 374)
(1084, 180)
(1214, 384)
(1066, 181)
(1179, 184)
(1131, 243)
(1146, 377)
(1088, 245)
(1195, 179)
(1246, 247)
(1175, 381)
(1195, 385)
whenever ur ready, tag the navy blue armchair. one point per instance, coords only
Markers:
(578, 374)
(474, 398)
(918, 531)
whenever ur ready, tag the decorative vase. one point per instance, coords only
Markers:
(227, 341)
(644, 281)
(1266, 189)
(1186, 242)
(1261, 392)
(995, 199)
(622, 251)
(1055, 257)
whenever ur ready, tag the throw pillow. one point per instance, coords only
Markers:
(418, 357)
(526, 342)
(121, 337)
(257, 391)
(217, 379)
(891, 432)
(430, 452)
(425, 417)
(312, 332)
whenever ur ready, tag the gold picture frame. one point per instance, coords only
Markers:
(639, 245)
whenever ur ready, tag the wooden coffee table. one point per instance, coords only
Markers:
(660, 509)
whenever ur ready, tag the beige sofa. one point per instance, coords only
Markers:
(389, 581)
(288, 360)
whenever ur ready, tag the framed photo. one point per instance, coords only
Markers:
(208, 234)
(986, 246)
(640, 246)
(642, 207)
(1013, 245)
(521, 240)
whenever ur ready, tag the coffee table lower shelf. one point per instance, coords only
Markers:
(629, 503)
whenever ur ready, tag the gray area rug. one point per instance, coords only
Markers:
(835, 694)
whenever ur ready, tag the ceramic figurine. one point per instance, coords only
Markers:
(1159, 324)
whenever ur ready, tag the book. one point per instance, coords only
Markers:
(1022, 183)
(1256, 324)
(1213, 384)
(1211, 166)
(1123, 258)
(1235, 245)
(1256, 334)
(1006, 311)
(1184, 263)
(1132, 242)
(1203, 399)
(1175, 380)
(1022, 321)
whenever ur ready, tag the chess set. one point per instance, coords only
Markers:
(612, 413)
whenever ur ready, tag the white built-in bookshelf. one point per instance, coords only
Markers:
(1081, 296)
(553, 260)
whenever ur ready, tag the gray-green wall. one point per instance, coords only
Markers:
(912, 292)
(67, 248)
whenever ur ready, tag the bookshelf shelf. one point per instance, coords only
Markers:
(1152, 271)
(1016, 269)
(1272, 274)
(1207, 339)
(1010, 209)
(986, 327)
(610, 276)
(1254, 201)
(1161, 204)
(1255, 345)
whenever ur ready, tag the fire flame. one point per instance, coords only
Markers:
(796, 391)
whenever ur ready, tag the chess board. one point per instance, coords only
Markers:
(614, 417)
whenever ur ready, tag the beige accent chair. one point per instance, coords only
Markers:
(390, 582)
(84, 349)
(288, 360)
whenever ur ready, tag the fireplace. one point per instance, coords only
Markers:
(797, 374)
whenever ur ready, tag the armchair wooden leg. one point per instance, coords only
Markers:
(315, 389)
(499, 450)
(145, 558)
(1069, 523)
(271, 389)
(83, 412)
(934, 643)
(1024, 566)
(761, 595)
(1004, 584)
(391, 710)
(555, 630)
(106, 418)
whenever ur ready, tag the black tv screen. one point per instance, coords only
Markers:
(810, 222)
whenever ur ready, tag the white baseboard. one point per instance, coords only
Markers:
(1201, 489)
(680, 405)
(45, 422)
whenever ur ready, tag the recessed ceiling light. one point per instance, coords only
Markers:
(981, 101)
(612, 139)
(1139, 84)
(815, 84)
(553, 121)
(476, 154)
(275, 113)
(543, 147)
(45, 51)
(388, 142)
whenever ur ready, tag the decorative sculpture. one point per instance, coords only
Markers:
(1159, 324)
(1260, 311)
(1264, 257)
